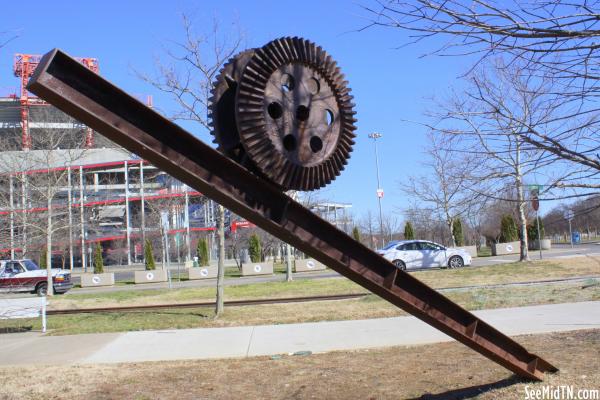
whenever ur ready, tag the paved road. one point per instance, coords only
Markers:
(126, 273)
(250, 341)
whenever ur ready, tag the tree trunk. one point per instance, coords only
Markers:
(450, 223)
(221, 260)
(524, 254)
(49, 248)
(288, 263)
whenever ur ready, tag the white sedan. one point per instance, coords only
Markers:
(412, 254)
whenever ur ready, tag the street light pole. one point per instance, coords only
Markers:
(376, 136)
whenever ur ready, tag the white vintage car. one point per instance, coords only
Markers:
(25, 276)
(413, 254)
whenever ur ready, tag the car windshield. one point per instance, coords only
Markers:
(30, 265)
(390, 245)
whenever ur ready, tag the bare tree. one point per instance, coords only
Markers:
(188, 75)
(550, 40)
(38, 176)
(447, 188)
(490, 117)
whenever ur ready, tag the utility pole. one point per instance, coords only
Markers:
(376, 136)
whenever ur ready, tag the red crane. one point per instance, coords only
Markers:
(23, 67)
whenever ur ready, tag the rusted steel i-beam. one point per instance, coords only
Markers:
(71, 87)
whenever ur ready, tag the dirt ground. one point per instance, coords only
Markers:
(442, 371)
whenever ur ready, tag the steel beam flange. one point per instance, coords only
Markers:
(294, 114)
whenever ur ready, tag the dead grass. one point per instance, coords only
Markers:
(363, 308)
(441, 371)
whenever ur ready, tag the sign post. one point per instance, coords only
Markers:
(569, 215)
(535, 203)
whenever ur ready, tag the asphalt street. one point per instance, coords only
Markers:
(124, 273)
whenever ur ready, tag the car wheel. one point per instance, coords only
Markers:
(41, 289)
(456, 262)
(399, 264)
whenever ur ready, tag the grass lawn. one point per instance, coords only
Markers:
(362, 308)
(440, 371)
(367, 307)
(502, 273)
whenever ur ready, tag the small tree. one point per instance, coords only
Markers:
(43, 259)
(356, 233)
(149, 256)
(254, 248)
(508, 229)
(409, 234)
(457, 232)
(202, 252)
(532, 230)
(98, 261)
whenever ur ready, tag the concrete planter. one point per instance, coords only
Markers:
(472, 250)
(91, 280)
(500, 249)
(202, 273)
(259, 268)
(535, 245)
(154, 276)
(309, 265)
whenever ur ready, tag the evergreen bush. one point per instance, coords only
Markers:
(98, 261)
(149, 256)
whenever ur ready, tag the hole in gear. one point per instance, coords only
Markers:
(275, 110)
(329, 117)
(316, 144)
(289, 142)
(302, 113)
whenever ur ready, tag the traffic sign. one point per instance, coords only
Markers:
(380, 193)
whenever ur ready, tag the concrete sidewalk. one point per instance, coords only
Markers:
(34, 348)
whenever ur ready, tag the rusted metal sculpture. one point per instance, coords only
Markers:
(254, 138)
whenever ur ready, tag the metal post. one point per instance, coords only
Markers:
(127, 221)
(143, 209)
(570, 233)
(539, 234)
(70, 208)
(376, 136)
(24, 207)
(82, 219)
(186, 216)
(12, 219)
(44, 314)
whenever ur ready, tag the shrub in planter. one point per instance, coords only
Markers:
(254, 248)
(508, 230)
(532, 231)
(356, 233)
(409, 234)
(98, 262)
(43, 259)
(457, 232)
(149, 256)
(202, 252)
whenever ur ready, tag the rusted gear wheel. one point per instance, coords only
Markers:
(284, 111)
(221, 110)
(295, 114)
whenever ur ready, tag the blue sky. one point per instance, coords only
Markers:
(390, 85)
